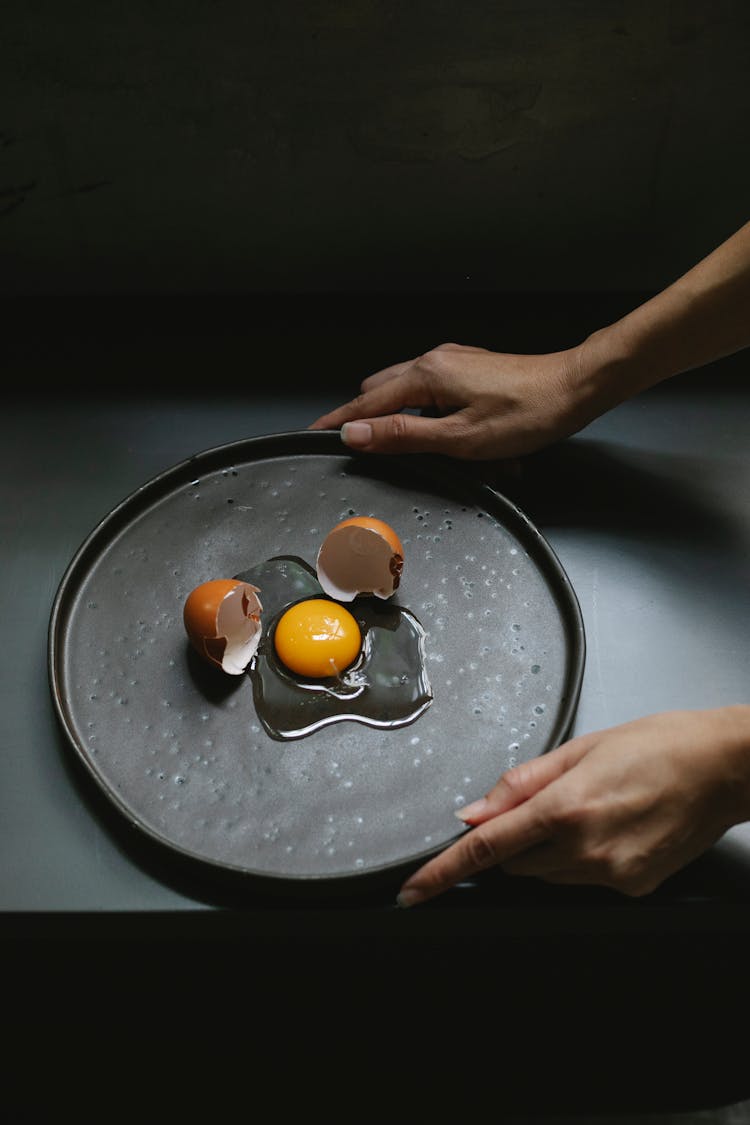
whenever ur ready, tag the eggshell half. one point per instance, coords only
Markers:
(361, 555)
(222, 621)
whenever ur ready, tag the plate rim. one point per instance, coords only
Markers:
(319, 442)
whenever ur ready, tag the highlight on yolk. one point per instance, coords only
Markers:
(317, 638)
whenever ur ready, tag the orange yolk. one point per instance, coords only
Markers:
(317, 638)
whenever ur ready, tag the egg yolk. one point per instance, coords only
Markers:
(317, 638)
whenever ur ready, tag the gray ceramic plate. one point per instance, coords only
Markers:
(181, 752)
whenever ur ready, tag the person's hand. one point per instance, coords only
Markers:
(621, 808)
(493, 405)
(496, 405)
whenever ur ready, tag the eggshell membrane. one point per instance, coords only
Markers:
(361, 555)
(222, 621)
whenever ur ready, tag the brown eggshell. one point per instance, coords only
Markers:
(222, 621)
(361, 555)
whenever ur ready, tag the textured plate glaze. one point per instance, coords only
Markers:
(181, 753)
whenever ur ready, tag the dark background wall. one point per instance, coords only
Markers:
(188, 149)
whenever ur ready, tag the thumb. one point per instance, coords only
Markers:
(406, 433)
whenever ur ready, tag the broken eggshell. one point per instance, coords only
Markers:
(222, 621)
(361, 555)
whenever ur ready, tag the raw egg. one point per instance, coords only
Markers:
(385, 686)
(316, 662)
(317, 637)
(222, 621)
(361, 555)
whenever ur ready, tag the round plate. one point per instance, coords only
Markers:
(184, 756)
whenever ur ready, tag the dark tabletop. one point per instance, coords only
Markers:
(647, 509)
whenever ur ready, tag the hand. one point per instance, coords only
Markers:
(494, 405)
(620, 808)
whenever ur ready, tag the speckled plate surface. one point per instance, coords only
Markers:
(184, 757)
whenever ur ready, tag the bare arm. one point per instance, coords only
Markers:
(701, 317)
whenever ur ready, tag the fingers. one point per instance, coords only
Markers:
(485, 846)
(509, 827)
(525, 780)
(373, 422)
(458, 348)
(385, 375)
(398, 392)
(546, 861)
(407, 433)
(401, 368)
(397, 387)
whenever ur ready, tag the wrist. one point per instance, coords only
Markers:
(630, 355)
(601, 374)
(735, 725)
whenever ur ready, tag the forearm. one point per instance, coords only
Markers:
(701, 317)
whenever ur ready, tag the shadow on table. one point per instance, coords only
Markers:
(585, 484)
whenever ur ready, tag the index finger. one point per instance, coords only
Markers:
(397, 393)
(491, 843)
(383, 376)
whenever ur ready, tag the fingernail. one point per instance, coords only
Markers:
(472, 811)
(356, 433)
(409, 896)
